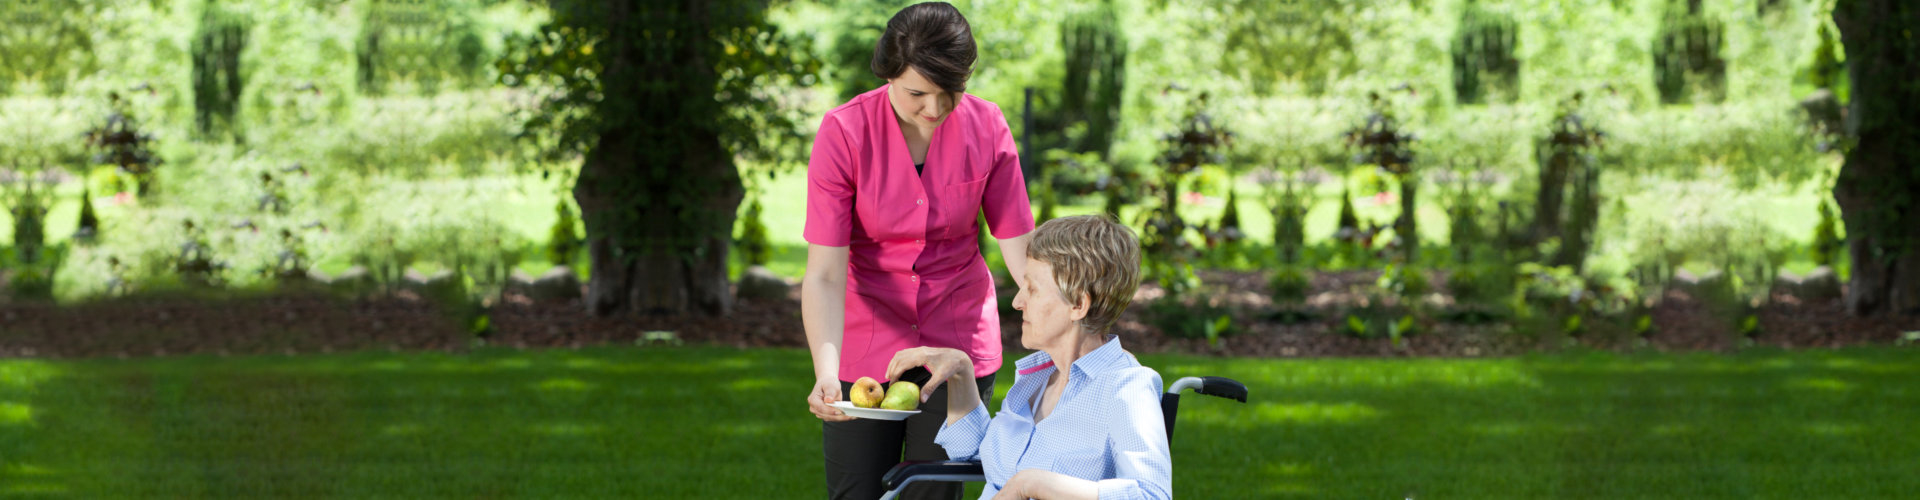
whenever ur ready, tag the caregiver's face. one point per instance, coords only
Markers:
(1045, 319)
(918, 101)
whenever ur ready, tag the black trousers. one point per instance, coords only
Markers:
(860, 451)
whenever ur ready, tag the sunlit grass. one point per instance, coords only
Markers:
(723, 423)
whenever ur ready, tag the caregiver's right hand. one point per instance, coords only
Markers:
(820, 401)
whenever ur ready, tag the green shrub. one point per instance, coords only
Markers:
(221, 37)
(1198, 319)
(563, 240)
(89, 227)
(1485, 282)
(292, 263)
(418, 43)
(1348, 218)
(1465, 285)
(1379, 318)
(1177, 278)
(1827, 244)
(29, 224)
(31, 278)
(753, 242)
(1289, 284)
(195, 264)
(1290, 223)
(1687, 58)
(1483, 56)
(1464, 234)
(1404, 280)
(1827, 70)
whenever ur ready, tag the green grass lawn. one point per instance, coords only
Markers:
(712, 422)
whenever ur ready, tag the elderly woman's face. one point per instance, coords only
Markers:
(918, 101)
(1045, 319)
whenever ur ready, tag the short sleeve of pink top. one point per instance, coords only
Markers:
(915, 276)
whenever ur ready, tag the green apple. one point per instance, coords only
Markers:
(902, 396)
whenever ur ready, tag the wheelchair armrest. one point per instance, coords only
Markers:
(949, 470)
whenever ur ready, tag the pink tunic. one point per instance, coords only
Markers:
(915, 276)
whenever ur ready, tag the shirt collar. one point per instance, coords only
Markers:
(1107, 357)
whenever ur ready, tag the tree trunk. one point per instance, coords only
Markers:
(1554, 169)
(671, 280)
(1576, 237)
(1405, 227)
(669, 255)
(1878, 188)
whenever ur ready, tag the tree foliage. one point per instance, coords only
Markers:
(46, 42)
(1687, 56)
(659, 100)
(1484, 65)
(420, 42)
(1096, 64)
(218, 78)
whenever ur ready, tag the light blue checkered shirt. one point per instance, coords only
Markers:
(1107, 427)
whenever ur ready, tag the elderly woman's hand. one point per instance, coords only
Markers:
(942, 362)
(1046, 484)
(1017, 487)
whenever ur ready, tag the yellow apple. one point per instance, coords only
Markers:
(866, 393)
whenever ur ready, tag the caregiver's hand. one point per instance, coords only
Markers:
(820, 401)
(942, 362)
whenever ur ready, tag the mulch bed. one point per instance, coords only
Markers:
(319, 323)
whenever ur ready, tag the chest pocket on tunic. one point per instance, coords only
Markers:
(963, 202)
(877, 213)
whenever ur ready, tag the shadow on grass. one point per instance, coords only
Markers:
(632, 423)
(21, 477)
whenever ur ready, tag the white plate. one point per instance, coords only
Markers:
(873, 413)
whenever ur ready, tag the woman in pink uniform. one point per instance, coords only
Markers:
(896, 178)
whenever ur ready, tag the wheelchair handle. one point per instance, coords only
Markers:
(1212, 386)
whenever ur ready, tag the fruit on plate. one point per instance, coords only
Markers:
(866, 393)
(902, 395)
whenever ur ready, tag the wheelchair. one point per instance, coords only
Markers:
(970, 471)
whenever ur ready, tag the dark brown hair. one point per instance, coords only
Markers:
(931, 37)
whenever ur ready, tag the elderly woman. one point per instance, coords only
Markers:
(1103, 434)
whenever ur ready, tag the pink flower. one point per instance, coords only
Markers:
(1195, 198)
(1382, 198)
(122, 198)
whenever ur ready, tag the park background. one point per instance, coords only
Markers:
(508, 248)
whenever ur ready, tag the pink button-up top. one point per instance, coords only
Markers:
(915, 276)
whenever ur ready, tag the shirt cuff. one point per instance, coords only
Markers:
(962, 437)
(1111, 489)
